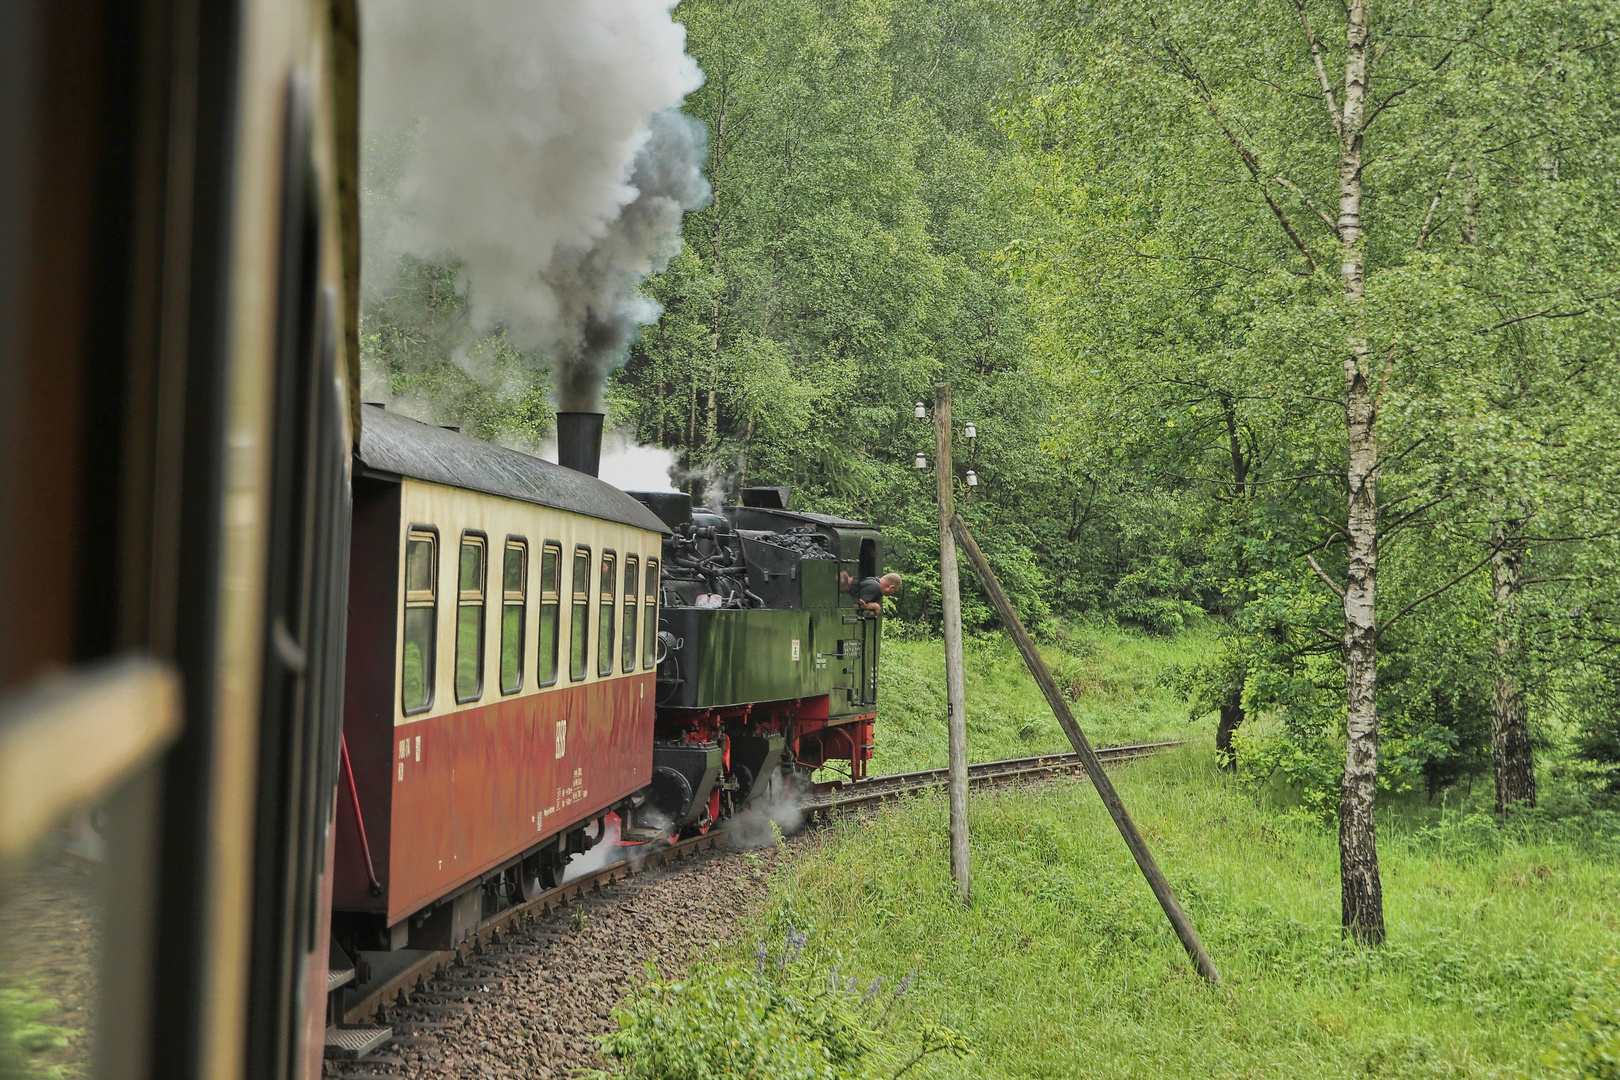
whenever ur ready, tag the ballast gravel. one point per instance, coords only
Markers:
(529, 1006)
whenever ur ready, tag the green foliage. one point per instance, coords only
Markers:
(862, 191)
(1310, 761)
(1194, 346)
(31, 1041)
(786, 1017)
(1210, 680)
(1587, 1046)
(1595, 700)
(419, 349)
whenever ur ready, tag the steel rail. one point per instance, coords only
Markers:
(822, 800)
(841, 795)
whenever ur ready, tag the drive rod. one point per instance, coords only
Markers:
(1088, 757)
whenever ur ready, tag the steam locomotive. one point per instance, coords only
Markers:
(537, 659)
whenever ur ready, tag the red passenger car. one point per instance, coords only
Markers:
(500, 679)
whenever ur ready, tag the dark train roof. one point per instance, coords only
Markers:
(399, 446)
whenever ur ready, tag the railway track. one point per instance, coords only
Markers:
(528, 1006)
(388, 988)
(398, 977)
(839, 796)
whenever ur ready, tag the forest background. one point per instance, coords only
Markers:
(1112, 228)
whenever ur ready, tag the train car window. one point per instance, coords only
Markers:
(470, 619)
(632, 586)
(421, 620)
(514, 594)
(579, 620)
(550, 613)
(606, 600)
(649, 617)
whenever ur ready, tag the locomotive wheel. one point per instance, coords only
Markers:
(671, 792)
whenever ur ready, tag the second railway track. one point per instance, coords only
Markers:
(833, 797)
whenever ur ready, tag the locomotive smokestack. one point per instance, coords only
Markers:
(579, 441)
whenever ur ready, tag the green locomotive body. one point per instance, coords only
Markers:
(768, 665)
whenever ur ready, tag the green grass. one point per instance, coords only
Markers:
(1110, 675)
(1065, 967)
(1504, 942)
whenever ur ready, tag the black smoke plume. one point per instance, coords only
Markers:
(539, 143)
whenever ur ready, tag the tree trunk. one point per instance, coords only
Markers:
(1240, 464)
(691, 441)
(1231, 720)
(1512, 758)
(1361, 890)
(711, 408)
(1470, 221)
(711, 415)
(661, 402)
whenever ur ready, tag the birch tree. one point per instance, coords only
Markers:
(1320, 174)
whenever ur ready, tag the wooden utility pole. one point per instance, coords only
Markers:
(950, 596)
(1082, 746)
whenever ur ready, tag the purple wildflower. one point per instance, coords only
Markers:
(760, 952)
(871, 991)
(793, 946)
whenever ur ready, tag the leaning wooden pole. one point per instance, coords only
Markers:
(1082, 746)
(950, 596)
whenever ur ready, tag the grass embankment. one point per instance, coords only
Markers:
(1064, 966)
(1110, 676)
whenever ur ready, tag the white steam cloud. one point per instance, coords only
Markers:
(547, 153)
(775, 813)
(629, 466)
(607, 850)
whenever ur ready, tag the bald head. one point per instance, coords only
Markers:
(890, 584)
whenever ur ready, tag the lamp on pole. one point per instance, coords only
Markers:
(970, 432)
